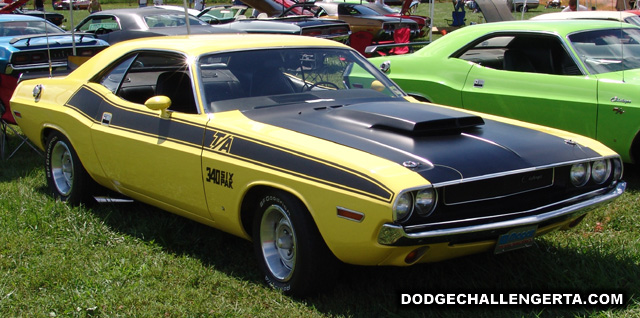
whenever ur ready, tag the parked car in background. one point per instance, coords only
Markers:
(221, 14)
(117, 25)
(286, 24)
(77, 4)
(53, 17)
(362, 18)
(577, 76)
(623, 16)
(423, 21)
(518, 5)
(32, 45)
(302, 146)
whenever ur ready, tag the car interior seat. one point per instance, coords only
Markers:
(518, 61)
(268, 79)
(177, 86)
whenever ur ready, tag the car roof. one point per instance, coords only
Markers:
(555, 26)
(195, 45)
(607, 15)
(136, 11)
(18, 17)
(202, 43)
(456, 39)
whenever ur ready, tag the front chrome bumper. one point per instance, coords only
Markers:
(393, 234)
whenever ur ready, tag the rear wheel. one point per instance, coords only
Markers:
(66, 177)
(289, 248)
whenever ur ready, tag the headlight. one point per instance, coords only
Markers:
(600, 170)
(425, 201)
(403, 206)
(617, 169)
(579, 174)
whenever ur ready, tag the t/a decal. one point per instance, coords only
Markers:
(219, 177)
(221, 142)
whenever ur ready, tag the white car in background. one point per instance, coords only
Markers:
(622, 16)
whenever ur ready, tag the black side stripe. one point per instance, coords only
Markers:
(302, 165)
(92, 105)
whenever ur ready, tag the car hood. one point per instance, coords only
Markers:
(123, 35)
(262, 26)
(381, 18)
(440, 143)
(306, 21)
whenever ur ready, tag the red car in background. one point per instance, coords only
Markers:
(388, 11)
(77, 4)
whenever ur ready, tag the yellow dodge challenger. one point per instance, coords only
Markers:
(302, 146)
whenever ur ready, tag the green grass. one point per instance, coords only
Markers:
(132, 260)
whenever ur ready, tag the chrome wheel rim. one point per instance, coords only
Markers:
(278, 241)
(62, 168)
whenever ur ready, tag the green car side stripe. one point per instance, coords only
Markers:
(93, 105)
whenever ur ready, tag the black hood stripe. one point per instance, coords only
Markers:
(448, 155)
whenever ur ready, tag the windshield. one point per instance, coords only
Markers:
(634, 19)
(170, 20)
(350, 9)
(384, 9)
(609, 50)
(17, 28)
(222, 13)
(293, 75)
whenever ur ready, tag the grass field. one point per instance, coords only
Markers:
(132, 260)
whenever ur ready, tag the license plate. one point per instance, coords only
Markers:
(515, 239)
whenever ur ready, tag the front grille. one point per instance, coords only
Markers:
(497, 187)
(503, 198)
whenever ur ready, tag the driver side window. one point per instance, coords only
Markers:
(100, 25)
(149, 74)
(523, 53)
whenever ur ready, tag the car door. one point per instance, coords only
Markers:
(151, 158)
(530, 90)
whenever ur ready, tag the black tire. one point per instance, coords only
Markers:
(288, 246)
(66, 177)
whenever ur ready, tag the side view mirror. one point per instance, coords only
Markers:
(161, 103)
(376, 85)
(385, 66)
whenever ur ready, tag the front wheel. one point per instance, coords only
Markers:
(66, 177)
(289, 248)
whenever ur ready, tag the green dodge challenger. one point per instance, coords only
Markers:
(574, 75)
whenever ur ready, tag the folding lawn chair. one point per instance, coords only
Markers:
(6, 121)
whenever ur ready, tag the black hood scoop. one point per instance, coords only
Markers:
(408, 119)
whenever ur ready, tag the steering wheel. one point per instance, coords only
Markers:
(324, 83)
(102, 31)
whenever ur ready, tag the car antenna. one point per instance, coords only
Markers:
(622, 47)
(46, 32)
(186, 16)
(73, 31)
